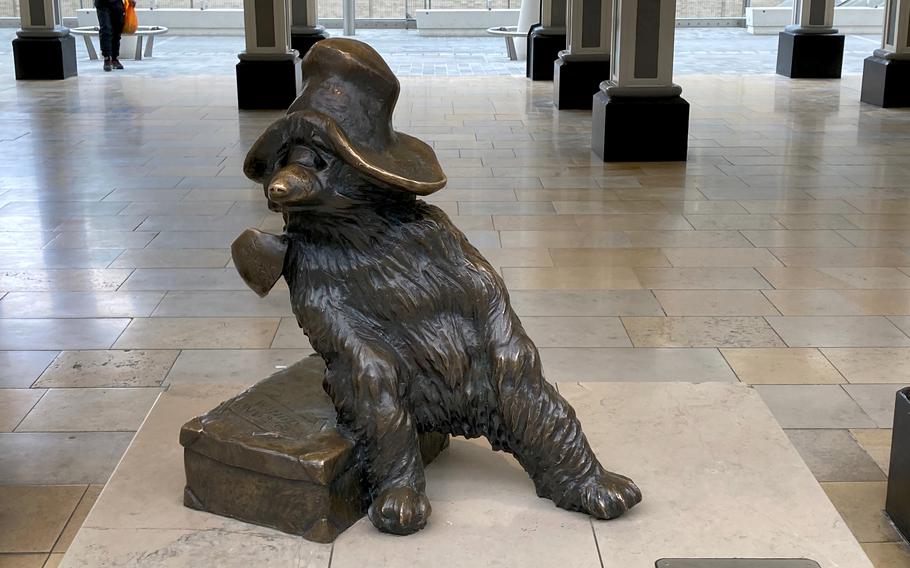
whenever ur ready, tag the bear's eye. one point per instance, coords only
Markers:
(306, 157)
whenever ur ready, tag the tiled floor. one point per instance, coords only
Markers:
(776, 256)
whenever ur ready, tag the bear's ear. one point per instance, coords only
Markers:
(259, 258)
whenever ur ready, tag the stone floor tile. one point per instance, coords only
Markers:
(687, 239)
(19, 369)
(777, 366)
(814, 303)
(23, 560)
(571, 278)
(877, 443)
(701, 332)
(79, 304)
(877, 400)
(534, 223)
(585, 303)
(15, 404)
(800, 278)
(576, 331)
(714, 303)
(184, 279)
(842, 257)
(870, 277)
(222, 304)
(871, 221)
(888, 554)
(790, 238)
(861, 504)
(720, 257)
(242, 367)
(78, 517)
(90, 410)
(18, 260)
(62, 280)
(834, 331)
(54, 560)
(871, 365)
(813, 406)
(797, 206)
(167, 258)
(57, 334)
(608, 257)
(815, 222)
(713, 278)
(902, 322)
(100, 223)
(34, 516)
(517, 257)
(101, 239)
(171, 240)
(60, 458)
(635, 364)
(290, 336)
(833, 455)
(633, 222)
(563, 239)
(197, 333)
(733, 222)
(86, 369)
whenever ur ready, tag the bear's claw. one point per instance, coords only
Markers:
(400, 510)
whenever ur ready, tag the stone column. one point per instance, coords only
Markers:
(886, 75)
(811, 48)
(268, 75)
(638, 113)
(305, 28)
(546, 40)
(585, 62)
(43, 48)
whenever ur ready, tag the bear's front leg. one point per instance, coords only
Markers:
(366, 396)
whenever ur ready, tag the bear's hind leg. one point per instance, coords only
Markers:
(541, 430)
(367, 401)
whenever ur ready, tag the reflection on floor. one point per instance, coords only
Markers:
(778, 256)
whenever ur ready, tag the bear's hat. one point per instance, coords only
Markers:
(347, 101)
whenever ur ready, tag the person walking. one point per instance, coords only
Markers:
(111, 14)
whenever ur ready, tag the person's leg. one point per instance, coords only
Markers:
(104, 33)
(117, 16)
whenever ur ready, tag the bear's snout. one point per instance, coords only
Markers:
(293, 184)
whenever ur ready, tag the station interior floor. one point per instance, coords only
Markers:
(778, 256)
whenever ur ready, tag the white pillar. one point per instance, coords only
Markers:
(589, 29)
(41, 18)
(553, 15)
(303, 16)
(546, 40)
(268, 75)
(642, 55)
(896, 33)
(267, 28)
(813, 16)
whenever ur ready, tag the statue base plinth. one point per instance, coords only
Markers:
(274, 456)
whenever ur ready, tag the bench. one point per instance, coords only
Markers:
(510, 33)
(141, 32)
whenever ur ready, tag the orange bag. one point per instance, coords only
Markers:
(130, 21)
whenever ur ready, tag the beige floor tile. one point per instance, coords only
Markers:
(701, 332)
(23, 560)
(711, 278)
(54, 560)
(781, 366)
(34, 516)
(842, 257)
(576, 331)
(90, 410)
(815, 303)
(605, 257)
(60, 458)
(880, 302)
(633, 222)
(75, 521)
(94, 333)
(62, 280)
(687, 239)
(813, 406)
(607, 206)
(800, 278)
(798, 206)
(838, 331)
(888, 554)
(733, 222)
(885, 222)
(877, 443)
(290, 336)
(861, 505)
(903, 322)
(871, 365)
(184, 279)
(517, 257)
(79, 304)
(198, 333)
(877, 400)
(833, 455)
(242, 367)
(635, 364)
(563, 239)
(585, 303)
(792, 238)
(705, 207)
(164, 258)
(870, 277)
(214, 303)
(133, 368)
(814, 222)
(535, 223)
(720, 257)
(714, 303)
(15, 404)
(102, 239)
(19, 369)
(505, 208)
(572, 278)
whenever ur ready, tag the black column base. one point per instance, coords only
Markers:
(898, 503)
(543, 50)
(886, 82)
(303, 42)
(575, 82)
(45, 57)
(810, 56)
(640, 129)
(268, 83)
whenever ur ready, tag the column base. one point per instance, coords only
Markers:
(575, 81)
(886, 82)
(302, 42)
(543, 50)
(45, 58)
(268, 83)
(640, 129)
(810, 56)
(898, 503)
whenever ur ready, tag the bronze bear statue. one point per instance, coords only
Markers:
(414, 325)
